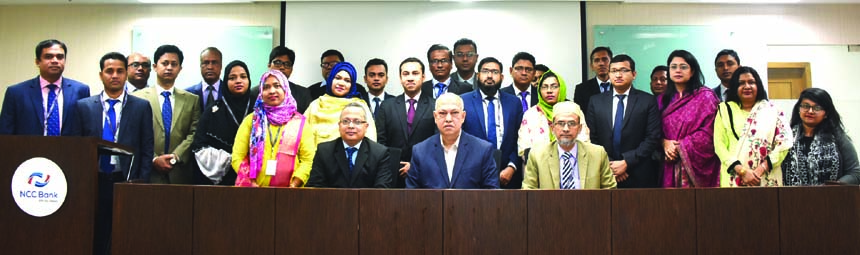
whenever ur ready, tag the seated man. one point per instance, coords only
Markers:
(567, 163)
(358, 161)
(452, 159)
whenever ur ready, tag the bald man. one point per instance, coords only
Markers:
(139, 67)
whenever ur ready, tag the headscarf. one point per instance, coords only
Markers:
(265, 114)
(562, 94)
(342, 66)
(238, 103)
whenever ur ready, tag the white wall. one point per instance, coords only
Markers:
(394, 31)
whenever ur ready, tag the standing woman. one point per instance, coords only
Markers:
(751, 134)
(273, 146)
(216, 130)
(535, 127)
(324, 112)
(822, 150)
(688, 109)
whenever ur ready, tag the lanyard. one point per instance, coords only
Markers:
(236, 120)
(51, 106)
(106, 108)
(272, 141)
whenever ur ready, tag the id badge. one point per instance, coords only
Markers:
(271, 167)
(114, 160)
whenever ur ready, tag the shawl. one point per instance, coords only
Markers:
(324, 114)
(265, 114)
(765, 136)
(690, 121)
(342, 66)
(822, 163)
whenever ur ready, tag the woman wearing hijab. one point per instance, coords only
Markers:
(216, 130)
(751, 134)
(324, 112)
(273, 146)
(535, 127)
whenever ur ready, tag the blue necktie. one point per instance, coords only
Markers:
(376, 106)
(440, 89)
(167, 118)
(604, 87)
(349, 152)
(491, 122)
(567, 180)
(108, 134)
(523, 96)
(53, 123)
(619, 118)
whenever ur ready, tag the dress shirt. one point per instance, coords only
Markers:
(724, 90)
(519, 92)
(601, 82)
(575, 170)
(469, 81)
(373, 103)
(406, 99)
(445, 89)
(205, 92)
(129, 88)
(615, 102)
(500, 124)
(354, 154)
(117, 108)
(45, 107)
(159, 89)
(451, 154)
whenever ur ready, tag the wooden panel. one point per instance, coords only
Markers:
(565, 222)
(400, 222)
(737, 221)
(231, 220)
(152, 219)
(779, 89)
(485, 222)
(819, 220)
(316, 221)
(658, 221)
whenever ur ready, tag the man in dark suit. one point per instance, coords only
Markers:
(627, 124)
(208, 90)
(439, 58)
(115, 116)
(495, 117)
(725, 64)
(396, 127)
(523, 72)
(328, 59)
(282, 58)
(465, 58)
(376, 76)
(600, 57)
(358, 161)
(44, 105)
(452, 159)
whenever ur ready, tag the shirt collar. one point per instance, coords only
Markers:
(357, 145)
(446, 82)
(44, 83)
(216, 86)
(417, 96)
(484, 96)
(159, 89)
(626, 93)
(601, 82)
(104, 97)
(518, 91)
(456, 142)
(573, 151)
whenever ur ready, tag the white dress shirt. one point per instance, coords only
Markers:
(451, 154)
(615, 102)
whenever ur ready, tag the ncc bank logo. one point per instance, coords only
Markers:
(35, 178)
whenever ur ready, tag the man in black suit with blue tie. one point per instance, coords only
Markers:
(208, 90)
(116, 116)
(376, 76)
(440, 61)
(523, 71)
(44, 105)
(600, 57)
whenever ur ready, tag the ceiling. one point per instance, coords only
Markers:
(21, 2)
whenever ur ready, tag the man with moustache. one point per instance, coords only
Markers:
(283, 59)
(523, 71)
(407, 119)
(600, 57)
(495, 117)
(208, 90)
(139, 67)
(376, 76)
(465, 58)
(439, 58)
(725, 64)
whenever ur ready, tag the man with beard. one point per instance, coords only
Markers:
(495, 117)
(139, 67)
(567, 163)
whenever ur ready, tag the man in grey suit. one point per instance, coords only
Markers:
(465, 58)
(439, 58)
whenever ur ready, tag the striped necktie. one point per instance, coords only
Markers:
(567, 180)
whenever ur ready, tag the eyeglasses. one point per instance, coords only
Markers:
(357, 122)
(562, 124)
(465, 54)
(807, 107)
(439, 61)
(278, 63)
(553, 87)
(146, 65)
(329, 64)
(521, 69)
(682, 67)
(453, 114)
(489, 72)
(621, 71)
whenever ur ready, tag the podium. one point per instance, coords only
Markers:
(69, 230)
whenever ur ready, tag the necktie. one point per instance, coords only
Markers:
(210, 99)
(376, 105)
(349, 152)
(108, 134)
(53, 119)
(619, 118)
(410, 115)
(167, 118)
(440, 89)
(567, 180)
(604, 87)
(523, 96)
(491, 122)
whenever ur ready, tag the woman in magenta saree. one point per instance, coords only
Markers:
(688, 110)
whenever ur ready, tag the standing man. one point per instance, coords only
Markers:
(600, 57)
(440, 57)
(407, 119)
(452, 159)
(115, 116)
(208, 90)
(139, 67)
(44, 105)
(496, 117)
(567, 163)
(376, 76)
(627, 124)
(539, 70)
(328, 59)
(659, 79)
(523, 71)
(358, 161)
(465, 58)
(725, 64)
(175, 115)
(283, 58)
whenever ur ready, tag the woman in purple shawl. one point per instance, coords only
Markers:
(688, 109)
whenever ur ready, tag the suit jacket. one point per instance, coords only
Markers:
(533, 92)
(198, 89)
(135, 120)
(512, 113)
(23, 113)
(543, 168)
(584, 91)
(186, 113)
(302, 96)
(371, 169)
(474, 165)
(641, 132)
(455, 87)
(391, 127)
(385, 96)
(317, 90)
(456, 77)
(718, 90)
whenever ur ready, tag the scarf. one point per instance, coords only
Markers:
(562, 95)
(342, 66)
(821, 164)
(266, 114)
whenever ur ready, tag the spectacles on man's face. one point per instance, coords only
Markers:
(439, 61)
(807, 107)
(562, 124)
(146, 65)
(521, 69)
(490, 72)
(619, 71)
(347, 122)
(278, 63)
(465, 54)
(329, 64)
